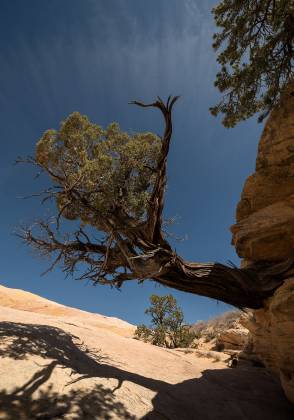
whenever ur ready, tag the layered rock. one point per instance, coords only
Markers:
(265, 213)
(236, 338)
(272, 330)
(222, 333)
(265, 232)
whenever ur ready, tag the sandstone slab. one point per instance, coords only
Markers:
(52, 367)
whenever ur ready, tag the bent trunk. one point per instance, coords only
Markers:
(243, 288)
(136, 249)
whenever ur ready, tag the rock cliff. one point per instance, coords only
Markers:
(265, 213)
(272, 330)
(264, 231)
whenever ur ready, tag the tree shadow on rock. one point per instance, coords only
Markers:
(19, 341)
(219, 394)
(98, 403)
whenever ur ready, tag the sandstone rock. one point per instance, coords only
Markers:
(55, 366)
(265, 231)
(267, 234)
(234, 338)
(223, 332)
(265, 213)
(272, 330)
(209, 354)
(26, 301)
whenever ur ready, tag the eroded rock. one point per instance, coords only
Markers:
(265, 213)
(236, 338)
(264, 231)
(272, 330)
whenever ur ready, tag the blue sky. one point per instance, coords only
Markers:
(94, 56)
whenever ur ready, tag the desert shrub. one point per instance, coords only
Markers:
(143, 333)
(167, 324)
(209, 336)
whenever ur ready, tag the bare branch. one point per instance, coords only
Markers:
(136, 248)
(156, 202)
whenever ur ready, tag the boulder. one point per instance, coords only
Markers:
(236, 338)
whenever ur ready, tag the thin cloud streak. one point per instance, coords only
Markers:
(94, 57)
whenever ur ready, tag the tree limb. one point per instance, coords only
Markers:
(137, 249)
(156, 203)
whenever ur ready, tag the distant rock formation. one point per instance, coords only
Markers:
(222, 333)
(265, 232)
(236, 338)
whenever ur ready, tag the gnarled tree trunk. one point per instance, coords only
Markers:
(138, 250)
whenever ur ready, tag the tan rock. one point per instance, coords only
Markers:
(265, 231)
(65, 367)
(272, 330)
(265, 213)
(30, 302)
(267, 234)
(234, 338)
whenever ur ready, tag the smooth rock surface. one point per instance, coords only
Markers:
(57, 367)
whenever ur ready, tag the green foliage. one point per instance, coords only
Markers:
(111, 168)
(167, 324)
(143, 333)
(257, 56)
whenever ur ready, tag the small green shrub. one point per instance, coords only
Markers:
(168, 329)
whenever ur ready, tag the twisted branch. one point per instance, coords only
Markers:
(136, 249)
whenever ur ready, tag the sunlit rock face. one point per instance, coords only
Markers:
(265, 213)
(233, 339)
(265, 231)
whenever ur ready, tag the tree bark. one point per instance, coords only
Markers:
(240, 287)
(243, 288)
(138, 250)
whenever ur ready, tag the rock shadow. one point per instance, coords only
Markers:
(19, 341)
(223, 394)
(95, 404)
(219, 394)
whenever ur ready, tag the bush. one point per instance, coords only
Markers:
(143, 333)
(167, 328)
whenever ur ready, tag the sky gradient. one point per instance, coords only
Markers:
(94, 56)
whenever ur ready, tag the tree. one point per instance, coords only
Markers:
(167, 327)
(257, 56)
(111, 185)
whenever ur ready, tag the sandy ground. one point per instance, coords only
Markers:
(63, 363)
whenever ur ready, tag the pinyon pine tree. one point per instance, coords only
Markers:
(256, 43)
(167, 324)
